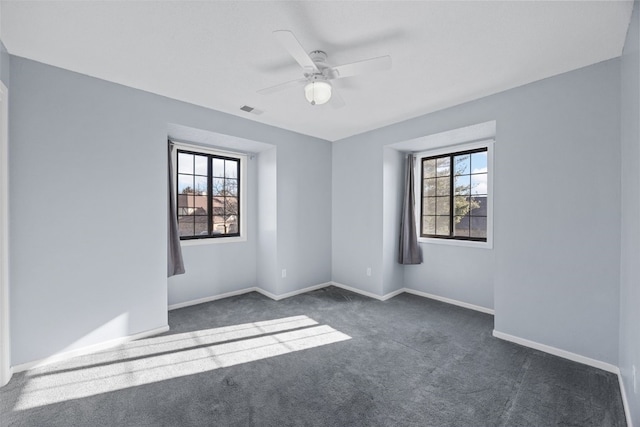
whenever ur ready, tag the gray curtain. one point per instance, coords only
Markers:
(175, 263)
(409, 252)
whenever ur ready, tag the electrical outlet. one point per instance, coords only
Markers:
(284, 273)
(635, 380)
(368, 271)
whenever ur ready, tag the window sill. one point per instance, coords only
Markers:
(452, 242)
(214, 241)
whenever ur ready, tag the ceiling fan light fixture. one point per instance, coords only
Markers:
(318, 92)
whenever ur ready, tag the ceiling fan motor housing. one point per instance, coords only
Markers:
(319, 57)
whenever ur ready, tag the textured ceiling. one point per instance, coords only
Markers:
(219, 53)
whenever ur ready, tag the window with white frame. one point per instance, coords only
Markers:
(209, 187)
(455, 193)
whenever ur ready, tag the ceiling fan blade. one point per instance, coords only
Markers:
(295, 49)
(282, 86)
(368, 65)
(336, 100)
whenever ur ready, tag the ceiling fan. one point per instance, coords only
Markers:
(318, 74)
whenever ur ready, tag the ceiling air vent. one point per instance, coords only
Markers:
(251, 110)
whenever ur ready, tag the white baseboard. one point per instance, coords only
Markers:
(245, 291)
(393, 294)
(385, 297)
(413, 292)
(58, 357)
(367, 293)
(558, 352)
(292, 293)
(625, 402)
(212, 298)
(450, 301)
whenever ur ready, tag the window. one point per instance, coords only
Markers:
(208, 195)
(455, 192)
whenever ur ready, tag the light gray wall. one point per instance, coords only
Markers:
(87, 245)
(393, 170)
(630, 243)
(304, 214)
(459, 273)
(557, 216)
(267, 250)
(88, 196)
(357, 214)
(556, 222)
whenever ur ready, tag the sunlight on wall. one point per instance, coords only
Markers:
(116, 327)
(95, 340)
(172, 356)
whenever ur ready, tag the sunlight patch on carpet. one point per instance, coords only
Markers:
(173, 356)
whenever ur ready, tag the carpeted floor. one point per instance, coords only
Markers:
(325, 358)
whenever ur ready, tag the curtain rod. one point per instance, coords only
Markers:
(472, 141)
(195, 145)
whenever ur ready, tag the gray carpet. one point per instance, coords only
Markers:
(337, 359)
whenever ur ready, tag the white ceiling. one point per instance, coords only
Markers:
(219, 53)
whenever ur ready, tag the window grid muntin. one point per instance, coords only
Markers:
(452, 175)
(210, 214)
